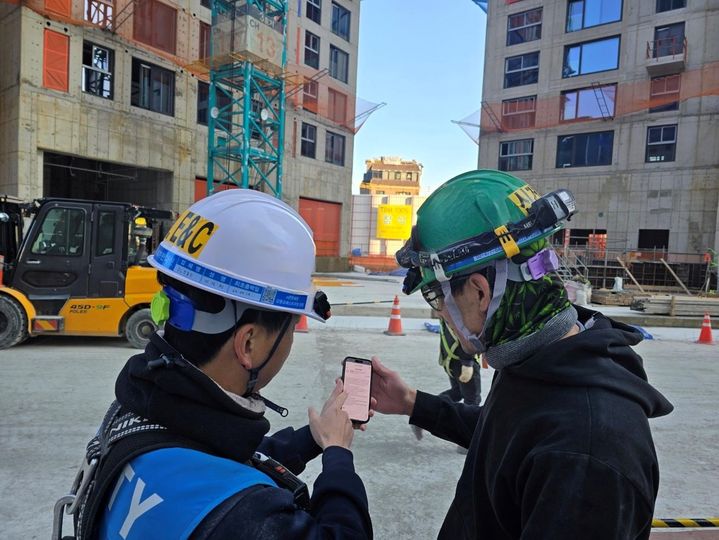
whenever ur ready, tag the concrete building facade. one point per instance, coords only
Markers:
(391, 176)
(617, 101)
(99, 99)
(367, 247)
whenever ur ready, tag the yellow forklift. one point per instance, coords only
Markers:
(77, 268)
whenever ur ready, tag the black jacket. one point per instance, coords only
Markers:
(561, 447)
(192, 407)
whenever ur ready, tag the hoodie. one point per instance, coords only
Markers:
(561, 448)
(171, 392)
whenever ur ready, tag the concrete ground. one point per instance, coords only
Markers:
(54, 391)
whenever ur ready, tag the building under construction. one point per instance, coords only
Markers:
(390, 175)
(111, 99)
(618, 101)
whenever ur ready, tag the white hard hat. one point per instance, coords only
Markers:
(246, 246)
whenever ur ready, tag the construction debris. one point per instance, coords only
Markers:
(676, 306)
(609, 297)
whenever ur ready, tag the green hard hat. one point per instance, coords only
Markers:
(470, 204)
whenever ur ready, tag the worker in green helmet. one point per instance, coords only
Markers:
(561, 447)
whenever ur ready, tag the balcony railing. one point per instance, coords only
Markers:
(667, 47)
(666, 55)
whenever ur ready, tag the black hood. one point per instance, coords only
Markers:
(600, 356)
(175, 394)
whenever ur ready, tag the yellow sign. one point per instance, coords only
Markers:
(190, 233)
(394, 221)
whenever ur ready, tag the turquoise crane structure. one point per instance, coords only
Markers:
(246, 102)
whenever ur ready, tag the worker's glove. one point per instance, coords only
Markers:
(466, 375)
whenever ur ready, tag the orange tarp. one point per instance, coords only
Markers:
(60, 7)
(55, 61)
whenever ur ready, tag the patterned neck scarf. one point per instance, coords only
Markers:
(526, 307)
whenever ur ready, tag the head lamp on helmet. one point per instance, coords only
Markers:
(544, 217)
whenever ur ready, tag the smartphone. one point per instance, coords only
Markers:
(357, 380)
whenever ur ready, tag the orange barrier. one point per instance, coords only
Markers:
(705, 336)
(302, 327)
(395, 320)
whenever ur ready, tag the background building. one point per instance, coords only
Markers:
(617, 101)
(381, 224)
(106, 99)
(391, 176)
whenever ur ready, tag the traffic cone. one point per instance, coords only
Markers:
(395, 320)
(705, 336)
(302, 326)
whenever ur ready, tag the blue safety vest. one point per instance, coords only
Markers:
(167, 493)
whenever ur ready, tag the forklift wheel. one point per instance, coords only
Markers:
(139, 328)
(13, 323)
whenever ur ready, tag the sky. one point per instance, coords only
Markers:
(424, 58)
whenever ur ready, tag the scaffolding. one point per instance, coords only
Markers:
(246, 121)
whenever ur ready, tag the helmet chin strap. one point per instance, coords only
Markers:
(254, 372)
(500, 284)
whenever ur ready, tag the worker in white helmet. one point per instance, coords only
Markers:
(183, 452)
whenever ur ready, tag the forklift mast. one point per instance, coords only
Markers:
(11, 233)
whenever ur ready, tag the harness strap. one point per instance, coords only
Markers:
(126, 437)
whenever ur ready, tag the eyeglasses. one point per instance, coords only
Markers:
(433, 296)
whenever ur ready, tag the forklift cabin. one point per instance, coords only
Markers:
(79, 268)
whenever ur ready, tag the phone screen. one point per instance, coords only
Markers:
(357, 378)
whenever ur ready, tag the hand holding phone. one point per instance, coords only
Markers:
(357, 381)
(331, 427)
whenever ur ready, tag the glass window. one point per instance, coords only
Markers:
(62, 233)
(587, 13)
(105, 234)
(397, 175)
(335, 148)
(591, 57)
(376, 174)
(341, 18)
(97, 70)
(308, 141)
(668, 40)
(520, 70)
(339, 64)
(661, 143)
(525, 26)
(99, 12)
(223, 103)
(519, 113)
(585, 149)
(310, 91)
(668, 5)
(409, 176)
(664, 93)
(153, 87)
(653, 239)
(313, 10)
(312, 50)
(155, 23)
(204, 45)
(589, 103)
(337, 106)
(516, 155)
